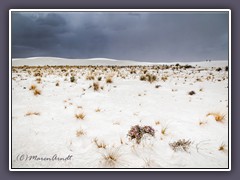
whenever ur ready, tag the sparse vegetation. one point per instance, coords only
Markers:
(99, 144)
(32, 113)
(95, 86)
(191, 93)
(72, 79)
(80, 116)
(109, 80)
(37, 92)
(222, 147)
(180, 145)
(33, 87)
(136, 132)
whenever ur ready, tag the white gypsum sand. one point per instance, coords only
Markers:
(70, 108)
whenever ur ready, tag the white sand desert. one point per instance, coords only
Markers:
(64, 107)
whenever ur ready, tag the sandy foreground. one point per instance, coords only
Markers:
(70, 115)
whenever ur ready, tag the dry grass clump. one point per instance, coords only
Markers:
(98, 110)
(38, 80)
(222, 147)
(32, 113)
(37, 92)
(80, 132)
(157, 122)
(32, 87)
(111, 158)
(99, 144)
(164, 78)
(80, 116)
(148, 77)
(143, 78)
(90, 77)
(109, 80)
(95, 86)
(219, 117)
(180, 145)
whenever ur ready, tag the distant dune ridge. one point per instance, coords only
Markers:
(53, 61)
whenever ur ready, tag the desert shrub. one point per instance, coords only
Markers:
(180, 145)
(99, 78)
(80, 116)
(226, 68)
(137, 132)
(95, 86)
(38, 80)
(143, 78)
(90, 77)
(109, 80)
(37, 92)
(222, 147)
(191, 93)
(32, 87)
(219, 69)
(72, 79)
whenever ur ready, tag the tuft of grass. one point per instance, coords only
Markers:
(164, 130)
(109, 80)
(180, 145)
(217, 116)
(32, 113)
(80, 132)
(80, 116)
(32, 87)
(90, 77)
(95, 86)
(37, 92)
(222, 147)
(38, 80)
(143, 78)
(72, 79)
(98, 110)
(111, 157)
(99, 144)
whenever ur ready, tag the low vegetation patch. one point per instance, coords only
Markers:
(180, 145)
(136, 132)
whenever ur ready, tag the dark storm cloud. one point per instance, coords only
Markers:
(145, 36)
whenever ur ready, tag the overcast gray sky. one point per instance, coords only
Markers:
(141, 36)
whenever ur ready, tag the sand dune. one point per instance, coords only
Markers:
(52, 61)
